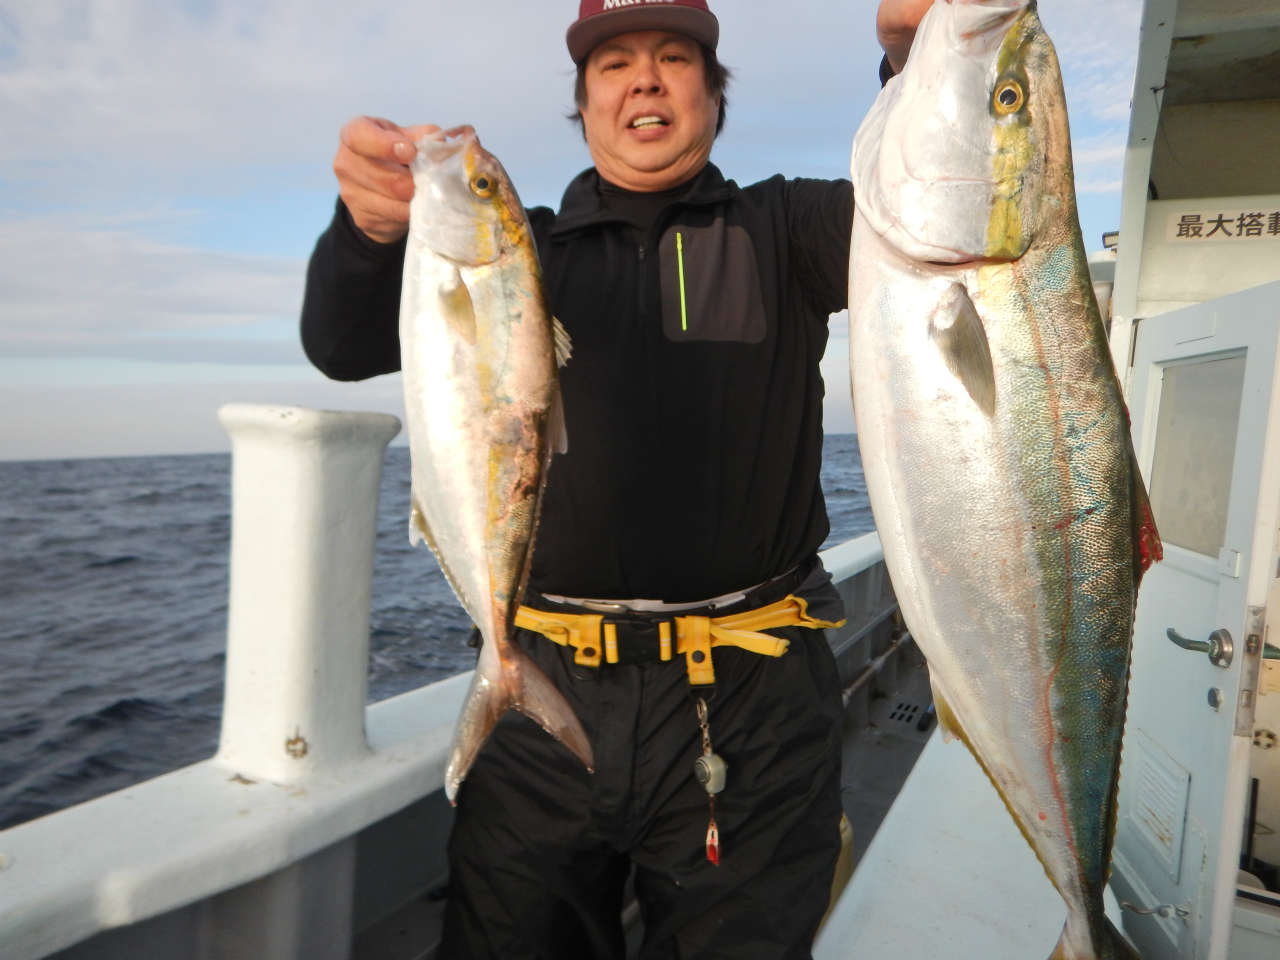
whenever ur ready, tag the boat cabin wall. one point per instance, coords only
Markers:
(1213, 223)
(1264, 766)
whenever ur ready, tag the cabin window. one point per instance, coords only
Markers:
(1195, 449)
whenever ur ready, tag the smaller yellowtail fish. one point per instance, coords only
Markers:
(479, 352)
(994, 438)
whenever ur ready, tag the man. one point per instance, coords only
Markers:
(698, 313)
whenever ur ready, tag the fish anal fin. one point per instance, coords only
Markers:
(957, 331)
(420, 532)
(1147, 546)
(948, 721)
(457, 308)
(563, 342)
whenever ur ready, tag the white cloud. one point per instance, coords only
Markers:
(71, 283)
(1099, 186)
(146, 418)
(167, 162)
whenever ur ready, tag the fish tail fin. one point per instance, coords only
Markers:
(538, 699)
(523, 686)
(1117, 946)
(1113, 946)
(484, 704)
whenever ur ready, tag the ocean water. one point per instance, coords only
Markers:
(113, 603)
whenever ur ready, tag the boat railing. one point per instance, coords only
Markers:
(269, 848)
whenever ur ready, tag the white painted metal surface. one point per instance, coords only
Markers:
(948, 876)
(1148, 85)
(294, 774)
(201, 830)
(304, 486)
(1186, 763)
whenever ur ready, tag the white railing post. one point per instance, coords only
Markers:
(304, 504)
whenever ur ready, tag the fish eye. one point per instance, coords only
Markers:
(1009, 97)
(482, 186)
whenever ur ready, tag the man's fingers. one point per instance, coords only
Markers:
(381, 176)
(373, 177)
(376, 138)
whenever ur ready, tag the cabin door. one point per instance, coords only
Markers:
(1206, 423)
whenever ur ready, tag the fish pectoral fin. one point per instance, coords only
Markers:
(563, 342)
(957, 330)
(457, 308)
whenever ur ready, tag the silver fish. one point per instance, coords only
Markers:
(479, 352)
(993, 432)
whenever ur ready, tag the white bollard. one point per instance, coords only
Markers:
(304, 506)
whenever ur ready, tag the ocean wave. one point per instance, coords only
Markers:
(112, 562)
(120, 712)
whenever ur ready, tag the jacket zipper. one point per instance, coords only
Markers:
(641, 279)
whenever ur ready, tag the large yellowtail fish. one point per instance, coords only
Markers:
(479, 353)
(994, 437)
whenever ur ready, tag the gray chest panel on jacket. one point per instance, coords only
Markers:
(710, 284)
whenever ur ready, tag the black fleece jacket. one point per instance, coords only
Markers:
(694, 416)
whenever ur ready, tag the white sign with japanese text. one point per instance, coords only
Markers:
(1223, 224)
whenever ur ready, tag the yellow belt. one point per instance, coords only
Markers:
(594, 639)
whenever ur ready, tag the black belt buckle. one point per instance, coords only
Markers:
(638, 639)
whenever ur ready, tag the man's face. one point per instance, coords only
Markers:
(648, 118)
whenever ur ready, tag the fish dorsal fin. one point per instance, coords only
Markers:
(564, 345)
(557, 435)
(957, 331)
(456, 306)
(1147, 547)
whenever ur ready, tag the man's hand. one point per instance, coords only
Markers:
(896, 23)
(372, 166)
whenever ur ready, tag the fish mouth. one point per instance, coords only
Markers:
(936, 255)
(440, 146)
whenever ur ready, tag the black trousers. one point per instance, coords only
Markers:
(541, 849)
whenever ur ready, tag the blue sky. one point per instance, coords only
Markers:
(167, 170)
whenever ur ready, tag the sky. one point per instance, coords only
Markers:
(167, 169)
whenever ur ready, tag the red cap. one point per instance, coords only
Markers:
(598, 20)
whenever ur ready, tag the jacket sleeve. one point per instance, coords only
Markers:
(820, 221)
(351, 308)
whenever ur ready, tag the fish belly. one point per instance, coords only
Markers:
(477, 390)
(1005, 535)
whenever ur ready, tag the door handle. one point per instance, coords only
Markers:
(1219, 646)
